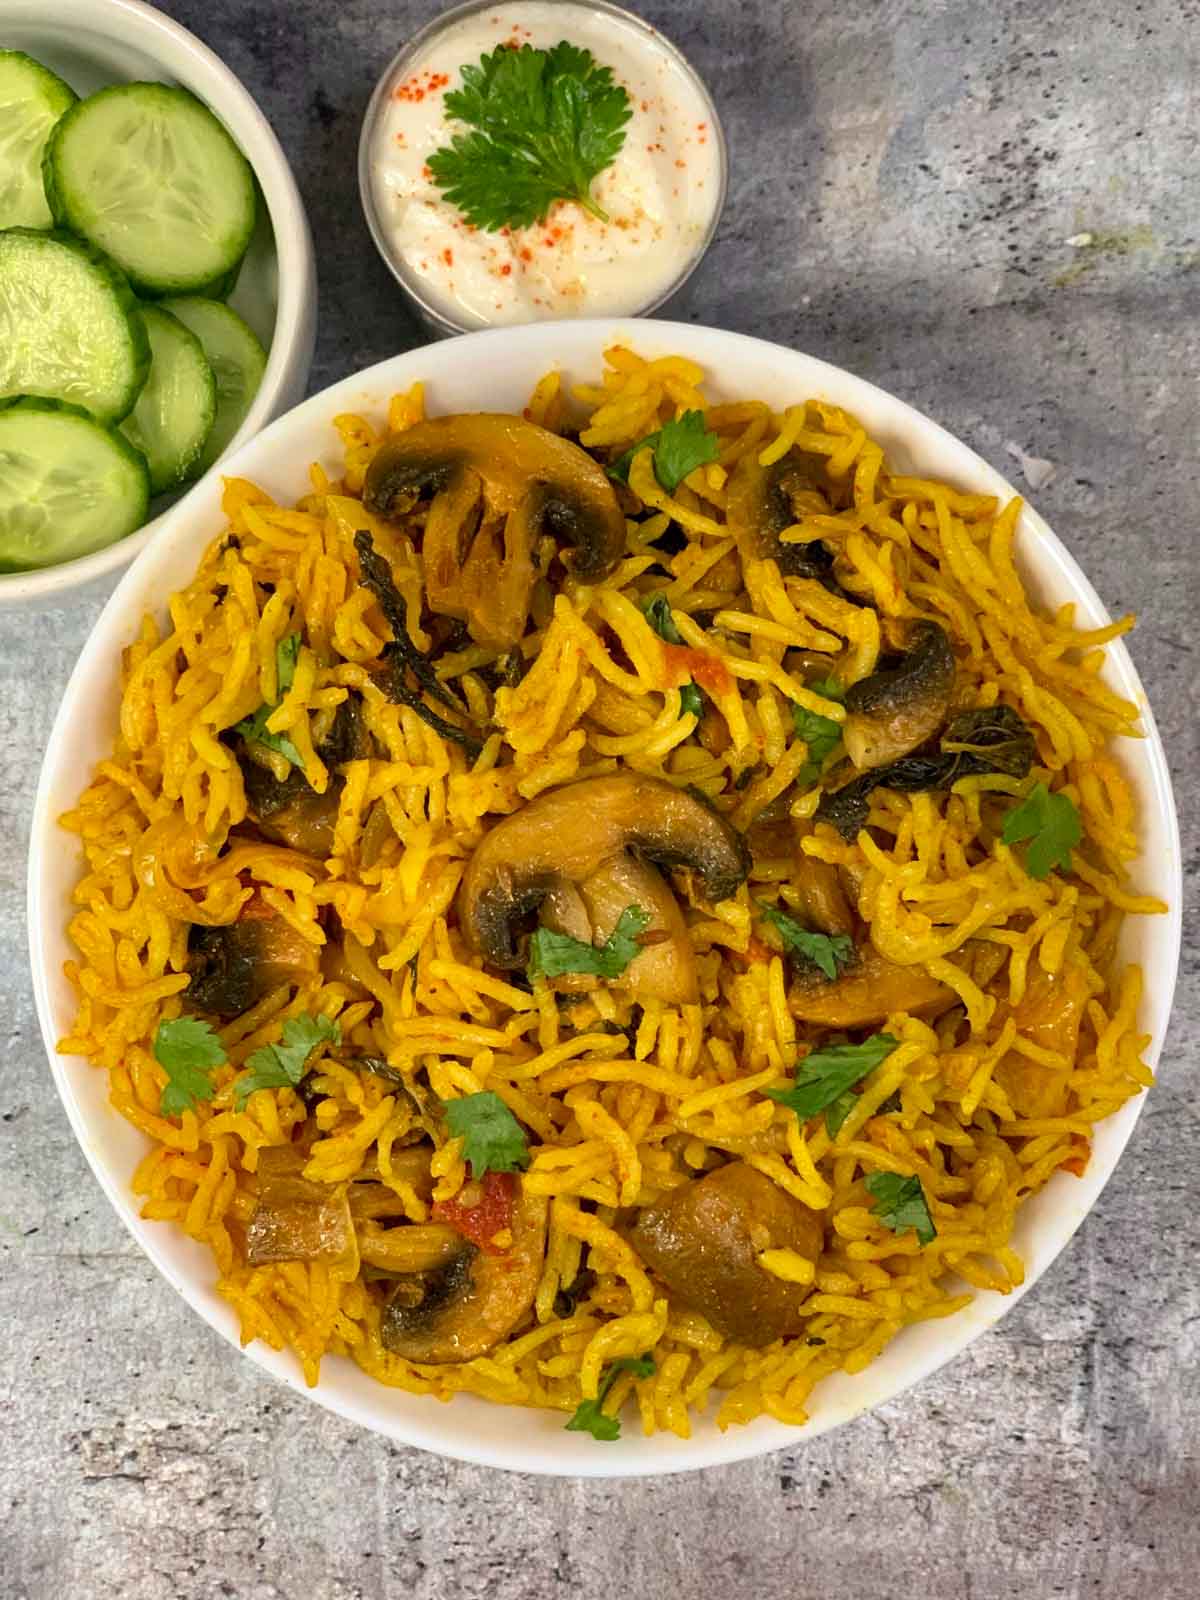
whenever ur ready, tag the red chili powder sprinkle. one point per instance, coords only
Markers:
(506, 269)
(448, 256)
(526, 254)
(420, 86)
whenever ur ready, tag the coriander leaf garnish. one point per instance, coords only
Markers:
(827, 1074)
(680, 446)
(829, 688)
(691, 700)
(282, 1065)
(254, 728)
(658, 615)
(837, 1113)
(493, 1139)
(821, 734)
(188, 1050)
(1051, 823)
(826, 950)
(552, 955)
(900, 1203)
(589, 1418)
(683, 445)
(543, 124)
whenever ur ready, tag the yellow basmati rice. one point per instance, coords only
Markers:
(615, 1125)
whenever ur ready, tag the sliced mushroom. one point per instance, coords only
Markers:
(822, 900)
(291, 811)
(234, 966)
(991, 739)
(666, 967)
(763, 501)
(866, 993)
(898, 708)
(498, 483)
(462, 1309)
(704, 1239)
(568, 834)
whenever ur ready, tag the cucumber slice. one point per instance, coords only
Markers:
(148, 174)
(237, 359)
(32, 100)
(174, 413)
(69, 325)
(68, 485)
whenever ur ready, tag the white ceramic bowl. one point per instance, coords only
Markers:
(495, 370)
(91, 43)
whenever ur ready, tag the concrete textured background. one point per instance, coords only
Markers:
(907, 178)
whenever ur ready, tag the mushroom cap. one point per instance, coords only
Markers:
(467, 1306)
(763, 501)
(665, 967)
(498, 483)
(568, 834)
(895, 710)
(704, 1239)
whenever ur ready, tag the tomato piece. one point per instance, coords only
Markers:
(699, 666)
(482, 1210)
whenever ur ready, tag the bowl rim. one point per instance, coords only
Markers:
(663, 1454)
(289, 356)
(438, 320)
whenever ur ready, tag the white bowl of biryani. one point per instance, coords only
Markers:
(710, 1399)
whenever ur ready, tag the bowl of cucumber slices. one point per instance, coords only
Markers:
(157, 283)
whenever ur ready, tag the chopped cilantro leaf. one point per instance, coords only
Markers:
(825, 950)
(900, 1204)
(254, 728)
(837, 1113)
(828, 688)
(542, 125)
(551, 955)
(282, 1065)
(680, 446)
(691, 700)
(821, 734)
(658, 615)
(1051, 824)
(590, 1418)
(825, 1075)
(493, 1139)
(188, 1050)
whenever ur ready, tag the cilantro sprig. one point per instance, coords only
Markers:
(827, 951)
(825, 1077)
(543, 124)
(590, 1418)
(1051, 824)
(821, 734)
(900, 1204)
(188, 1050)
(658, 615)
(254, 728)
(553, 955)
(282, 1065)
(493, 1139)
(680, 446)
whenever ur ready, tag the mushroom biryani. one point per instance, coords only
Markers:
(617, 904)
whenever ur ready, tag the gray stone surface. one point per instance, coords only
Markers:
(906, 177)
